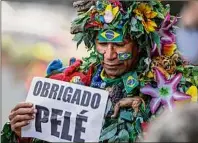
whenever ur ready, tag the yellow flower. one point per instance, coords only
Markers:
(145, 12)
(193, 92)
(149, 25)
(169, 49)
(150, 74)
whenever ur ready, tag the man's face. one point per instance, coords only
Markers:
(111, 63)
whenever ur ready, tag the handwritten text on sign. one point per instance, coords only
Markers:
(66, 112)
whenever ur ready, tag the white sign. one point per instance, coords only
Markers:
(66, 112)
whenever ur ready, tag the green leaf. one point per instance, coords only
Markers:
(156, 39)
(79, 42)
(133, 135)
(147, 111)
(78, 36)
(126, 115)
(109, 132)
(7, 135)
(195, 72)
(180, 68)
(131, 131)
(81, 20)
(125, 28)
(133, 21)
(159, 14)
(113, 139)
(87, 61)
(117, 19)
(152, 2)
(196, 80)
(115, 24)
(133, 5)
(167, 9)
(138, 125)
(134, 25)
(123, 136)
(39, 141)
(141, 28)
(142, 108)
(130, 127)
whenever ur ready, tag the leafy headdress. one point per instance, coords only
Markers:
(147, 22)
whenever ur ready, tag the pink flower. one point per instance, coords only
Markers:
(166, 91)
(167, 37)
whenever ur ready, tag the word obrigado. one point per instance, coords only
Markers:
(67, 94)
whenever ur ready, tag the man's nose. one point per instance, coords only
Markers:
(110, 53)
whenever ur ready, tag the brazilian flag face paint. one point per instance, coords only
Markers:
(113, 36)
(110, 36)
(124, 56)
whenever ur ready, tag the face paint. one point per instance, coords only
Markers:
(112, 65)
(110, 36)
(124, 56)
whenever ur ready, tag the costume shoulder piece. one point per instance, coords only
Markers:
(72, 73)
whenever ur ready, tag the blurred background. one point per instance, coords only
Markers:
(34, 32)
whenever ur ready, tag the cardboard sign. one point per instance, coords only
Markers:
(66, 112)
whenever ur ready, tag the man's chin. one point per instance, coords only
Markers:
(113, 73)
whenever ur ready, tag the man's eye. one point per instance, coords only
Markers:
(120, 44)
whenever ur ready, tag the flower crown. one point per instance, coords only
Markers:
(149, 23)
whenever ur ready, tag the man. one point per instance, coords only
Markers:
(127, 38)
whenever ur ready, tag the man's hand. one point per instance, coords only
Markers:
(20, 116)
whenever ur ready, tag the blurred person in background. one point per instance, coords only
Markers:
(187, 34)
(178, 126)
(134, 58)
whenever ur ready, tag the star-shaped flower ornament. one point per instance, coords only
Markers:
(166, 91)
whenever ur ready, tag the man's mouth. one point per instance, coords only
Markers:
(112, 65)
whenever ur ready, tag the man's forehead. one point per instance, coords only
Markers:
(110, 36)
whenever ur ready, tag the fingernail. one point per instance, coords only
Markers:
(28, 122)
(33, 117)
(35, 110)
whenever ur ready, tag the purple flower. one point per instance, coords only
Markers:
(167, 37)
(165, 93)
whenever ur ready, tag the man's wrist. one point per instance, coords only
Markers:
(24, 140)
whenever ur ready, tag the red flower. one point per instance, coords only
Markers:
(144, 126)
